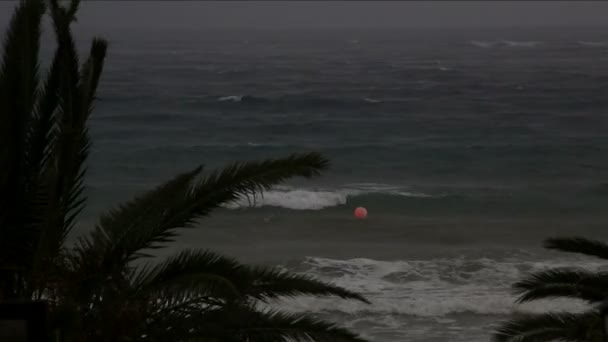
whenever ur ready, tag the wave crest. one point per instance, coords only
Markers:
(428, 288)
(528, 44)
(240, 98)
(233, 98)
(311, 199)
(293, 199)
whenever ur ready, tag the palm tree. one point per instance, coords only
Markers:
(108, 286)
(585, 285)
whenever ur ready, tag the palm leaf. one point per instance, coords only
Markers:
(60, 141)
(273, 283)
(94, 291)
(150, 220)
(44, 119)
(583, 327)
(203, 274)
(243, 323)
(578, 245)
(123, 231)
(91, 73)
(199, 273)
(86, 89)
(587, 293)
(40, 147)
(19, 79)
(105, 253)
(563, 282)
(71, 136)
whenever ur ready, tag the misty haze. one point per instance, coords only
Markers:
(453, 138)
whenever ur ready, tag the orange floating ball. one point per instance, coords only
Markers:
(360, 213)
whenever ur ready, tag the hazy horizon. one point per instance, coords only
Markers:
(337, 15)
(469, 131)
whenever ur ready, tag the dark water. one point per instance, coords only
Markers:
(498, 124)
(467, 148)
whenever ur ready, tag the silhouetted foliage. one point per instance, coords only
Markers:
(108, 286)
(591, 287)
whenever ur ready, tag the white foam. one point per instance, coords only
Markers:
(377, 188)
(483, 44)
(317, 199)
(233, 98)
(431, 288)
(528, 44)
(371, 100)
(293, 199)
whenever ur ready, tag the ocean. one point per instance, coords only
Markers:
(467, 147)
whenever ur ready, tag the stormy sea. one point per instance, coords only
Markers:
(467, 147)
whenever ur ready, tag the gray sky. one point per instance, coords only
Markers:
(301, 14)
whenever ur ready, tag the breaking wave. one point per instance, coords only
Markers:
(317, 199)
(528, 44)
(241, 98)
(233, 98)
(428, 288)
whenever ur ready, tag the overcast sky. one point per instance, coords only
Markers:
(284, 14)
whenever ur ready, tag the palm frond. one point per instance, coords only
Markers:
(117, 237)
(63, 16)
(41, 142)
(241, 179)
(60, 139)
(567, 327)
(71, 137)
(244, 323)
(197, 276)
(150, 220)
(91, 73)
(19, 75)
(273, 283)
(579, 245)
(86, 88)
(133, 226)
(586, 293)
(19, 79)
(95, 291)
(72, 9)
(200, 273)
(40, 146)
(563, 282)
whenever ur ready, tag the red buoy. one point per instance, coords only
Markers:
(360, 213)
